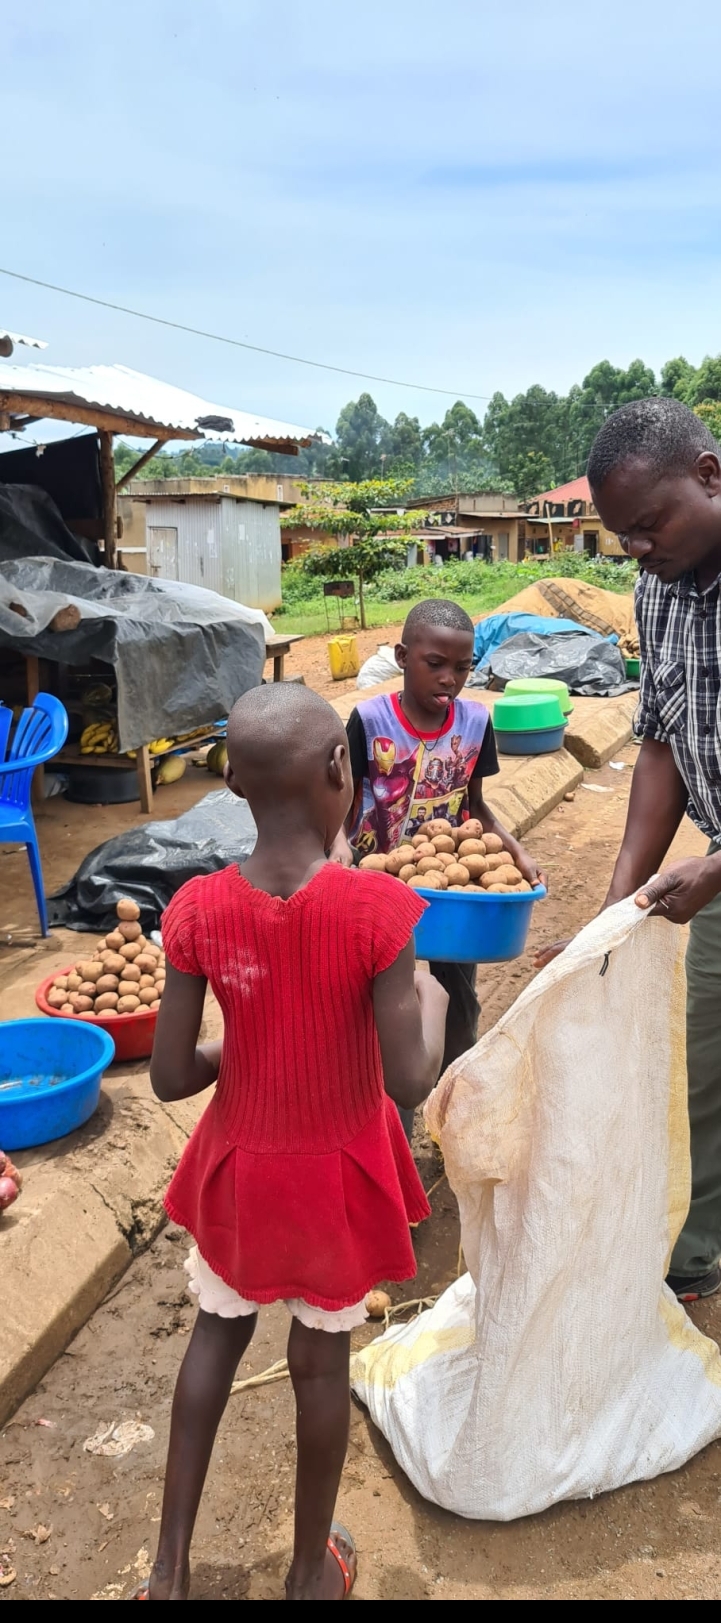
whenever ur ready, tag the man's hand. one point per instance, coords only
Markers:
(682, 890)
(341, 851)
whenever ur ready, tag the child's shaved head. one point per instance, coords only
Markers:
(281, 737)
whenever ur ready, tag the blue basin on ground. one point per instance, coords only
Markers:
(50, 1076)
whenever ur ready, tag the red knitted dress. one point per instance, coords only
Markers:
(298, 1180)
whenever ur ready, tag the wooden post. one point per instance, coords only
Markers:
(145, 782)
(279, 668)
(107, 479)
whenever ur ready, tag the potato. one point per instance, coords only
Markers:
(472, 829)
(56, 997)
(89, 969)
(377, 1304)
(499, 890)
(475, 866)
(160, 987)
(75, 981)
(130, 972)
(424, 850)
(67, 1008)
(61, 983)
(398, 859)
(457, 889)
(129, 930)
(424, 882)
(494, 843)
(457, 874)
(87, 989)
(524, 886)
(438, 825)
(507, 876)
(420, 839)
(128, 1004)
(101, 947)
(445, 860)
(130, 951)
(107, 983)
(444, 842)
(499, 876)
(471, 848)
(115, 941)
(146, 980)
(127, 909)
(147, 994)
(407, 872)
(154, 1006)
(114, 964)
(146, 963)
(106, 1001)
(80, 1004)
(142, 942)
(374, 864)
(429, 865)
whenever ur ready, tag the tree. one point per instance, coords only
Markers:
(456, 446)
(406, 447)
(710, 413)
(362, 437)
(677, 377)
(706, 385)
(357, 511)
(532, 473)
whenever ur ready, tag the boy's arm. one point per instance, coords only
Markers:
(479, 808)
(410, 1016)
(178, 1068)
(341, 849)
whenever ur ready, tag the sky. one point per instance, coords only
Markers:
(469, 196)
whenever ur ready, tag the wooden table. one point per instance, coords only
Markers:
(276, 649)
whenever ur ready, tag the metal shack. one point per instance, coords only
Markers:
(221, 532)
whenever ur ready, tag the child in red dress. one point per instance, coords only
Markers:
(297, 1184)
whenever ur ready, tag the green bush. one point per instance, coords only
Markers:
(475, 579)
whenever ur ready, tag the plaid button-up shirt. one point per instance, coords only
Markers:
(680, 635)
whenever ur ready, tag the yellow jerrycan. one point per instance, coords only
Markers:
(343, 657)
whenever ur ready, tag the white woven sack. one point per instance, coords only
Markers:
(560, 1365)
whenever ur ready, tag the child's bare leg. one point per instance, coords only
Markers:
(201, 1393)
(318, 1361)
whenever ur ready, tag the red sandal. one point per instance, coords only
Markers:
(338, 1530)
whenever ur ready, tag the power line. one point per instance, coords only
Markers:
(237, 343)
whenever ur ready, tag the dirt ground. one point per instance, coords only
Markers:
(77, 1526)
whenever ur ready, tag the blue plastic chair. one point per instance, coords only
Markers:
(41, 731)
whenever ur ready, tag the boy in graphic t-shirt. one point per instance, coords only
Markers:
(423, 753)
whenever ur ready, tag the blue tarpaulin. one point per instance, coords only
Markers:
(490, 633)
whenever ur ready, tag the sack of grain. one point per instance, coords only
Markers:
(560, 1365)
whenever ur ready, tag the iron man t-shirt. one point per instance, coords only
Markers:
(405, 778)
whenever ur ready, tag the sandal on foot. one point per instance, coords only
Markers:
(349, 1578)
(143, 1592)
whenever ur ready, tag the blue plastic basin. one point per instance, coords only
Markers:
(50, 1076)
(474, 929)
(536, 743)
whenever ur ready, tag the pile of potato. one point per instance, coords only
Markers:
(447, 858)
(125, 975)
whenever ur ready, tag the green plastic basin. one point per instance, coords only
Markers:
(526, 712)
(541, 684)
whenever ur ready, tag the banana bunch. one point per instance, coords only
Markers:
(100, 738)
(159, 746)
(196, 732)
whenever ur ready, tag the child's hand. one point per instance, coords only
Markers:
(431, 995)
(526, 864)
(341, 851)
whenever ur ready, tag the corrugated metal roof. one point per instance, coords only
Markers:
(20, 338)
(154, 405)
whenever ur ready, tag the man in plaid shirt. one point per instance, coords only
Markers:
(655, 474)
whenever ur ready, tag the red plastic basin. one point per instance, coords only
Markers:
(132, 1033)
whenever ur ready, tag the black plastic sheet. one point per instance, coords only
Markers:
(182, 655)
(149, 864)
(592, 667)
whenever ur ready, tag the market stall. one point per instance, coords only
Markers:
(178, 659)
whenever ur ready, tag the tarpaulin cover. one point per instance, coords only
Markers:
(68, 470)
(149, 864)
(30, 523)
(589, 665)
(497, 628)
(182, 655)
